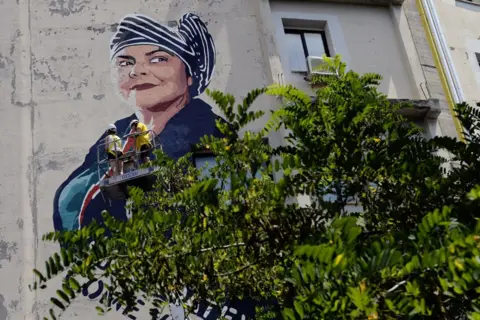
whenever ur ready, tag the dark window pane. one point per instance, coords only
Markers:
(205, 164)
(296, 54)
(315, 44)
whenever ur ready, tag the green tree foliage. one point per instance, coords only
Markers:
(409, 248)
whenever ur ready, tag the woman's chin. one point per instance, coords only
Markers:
(152, 107)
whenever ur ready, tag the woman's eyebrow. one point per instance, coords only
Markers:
(126, 57)
(157, 50)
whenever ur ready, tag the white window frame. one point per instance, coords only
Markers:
(333, 31)
(301, 32)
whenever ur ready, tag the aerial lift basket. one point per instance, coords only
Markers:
(114, 187)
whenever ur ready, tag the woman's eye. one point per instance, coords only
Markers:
(125, 63)
(158, 59)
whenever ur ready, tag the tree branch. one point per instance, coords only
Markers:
(234, 271)
(396, 286)
(239, 244)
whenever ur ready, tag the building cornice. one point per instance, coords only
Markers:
(414, 109)
(365, 2)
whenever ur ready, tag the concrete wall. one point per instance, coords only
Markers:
(443, 124)
(58, 98)
(17, 229)
(459, 22)
(369, 39)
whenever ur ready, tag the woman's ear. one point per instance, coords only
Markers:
(189, 81)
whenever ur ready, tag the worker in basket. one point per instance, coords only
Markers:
(113, 147)
(142, 140)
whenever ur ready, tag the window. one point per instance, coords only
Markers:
(477, 54)
(303, 43)
(205, 160)
(205, 163)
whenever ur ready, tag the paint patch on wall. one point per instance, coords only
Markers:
(7, 249)
(67, 7)
(3, 309)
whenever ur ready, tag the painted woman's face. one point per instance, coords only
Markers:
(156, 77)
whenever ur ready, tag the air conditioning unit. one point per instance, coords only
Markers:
(317, 66)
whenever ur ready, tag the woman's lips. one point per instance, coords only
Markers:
(143, 86)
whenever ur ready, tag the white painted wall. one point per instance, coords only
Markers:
(460, 22)
(367, 37)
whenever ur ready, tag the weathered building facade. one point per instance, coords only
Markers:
(68, 69)
(458, 37)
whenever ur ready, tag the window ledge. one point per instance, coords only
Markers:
(469, 2)
(422, 109)
(368, 2)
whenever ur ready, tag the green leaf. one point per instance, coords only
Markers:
(68, 290)
(64, 296)
(57, 302)
(100, 310)
(299, 309)
(39, 275)
(52, 314)
(65, 258)
(74, 284)
(288, 313)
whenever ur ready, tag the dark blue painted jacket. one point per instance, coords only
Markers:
(191, 123)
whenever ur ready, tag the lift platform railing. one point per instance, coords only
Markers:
(131, 157)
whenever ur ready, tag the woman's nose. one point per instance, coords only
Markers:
(139, 69)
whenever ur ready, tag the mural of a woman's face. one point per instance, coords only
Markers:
(157, 78)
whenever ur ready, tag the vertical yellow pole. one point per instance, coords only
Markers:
(441, 70)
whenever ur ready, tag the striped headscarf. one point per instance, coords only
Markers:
(191, 43)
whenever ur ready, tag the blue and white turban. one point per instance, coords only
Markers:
(191, 43)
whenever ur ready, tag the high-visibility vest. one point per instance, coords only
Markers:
(115, 144)
(143, 138)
